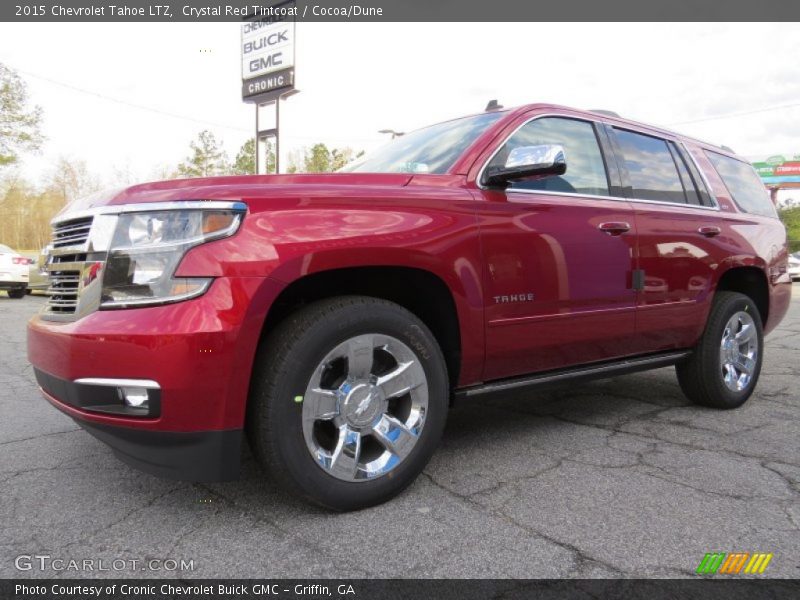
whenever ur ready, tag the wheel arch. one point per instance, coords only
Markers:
(750, 281)
(422, 292)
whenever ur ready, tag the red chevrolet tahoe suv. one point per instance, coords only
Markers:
(334, 317)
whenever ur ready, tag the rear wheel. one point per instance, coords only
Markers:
(723, 370)
(349, 401)
(17, 293)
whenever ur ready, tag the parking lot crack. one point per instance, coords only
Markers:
(309, 545)
(13, 474)
(675, 481)
(683, 444)
(792, 484)
(36, 437)
(130, 513)
(581, 558)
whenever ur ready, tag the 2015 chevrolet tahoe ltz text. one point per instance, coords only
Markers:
(332, 318)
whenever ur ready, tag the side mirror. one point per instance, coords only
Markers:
(528, 161)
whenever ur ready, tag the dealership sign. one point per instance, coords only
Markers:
(267, 56)
(779, 169)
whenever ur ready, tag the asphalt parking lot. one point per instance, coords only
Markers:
(616, 478)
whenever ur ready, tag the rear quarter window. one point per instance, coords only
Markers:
(743, 184)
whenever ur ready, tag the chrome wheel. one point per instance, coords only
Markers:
(365, 407)
(739, 351)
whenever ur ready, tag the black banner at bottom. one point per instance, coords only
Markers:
(390, 589)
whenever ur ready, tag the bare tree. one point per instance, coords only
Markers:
(72, 179)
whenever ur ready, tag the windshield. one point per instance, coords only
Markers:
(433, 149)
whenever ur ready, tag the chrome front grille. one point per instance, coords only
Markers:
(75, 264)
(72, 257)
(74, 232)
(71, 268)
(63, 291)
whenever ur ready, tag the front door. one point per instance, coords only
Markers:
(558, 255)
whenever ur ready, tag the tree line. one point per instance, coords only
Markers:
(207, 158)
(26, 209)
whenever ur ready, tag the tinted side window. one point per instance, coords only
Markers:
(743, 184)
(700, 184)
(586, 172)
(690, 191)
(651, 169)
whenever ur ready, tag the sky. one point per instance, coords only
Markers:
(128, 98)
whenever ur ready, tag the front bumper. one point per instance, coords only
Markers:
(198, 456)
(200, 353)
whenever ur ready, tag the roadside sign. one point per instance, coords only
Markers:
(268, 54)
(778, 169)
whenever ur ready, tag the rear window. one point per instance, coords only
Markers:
(743, 184)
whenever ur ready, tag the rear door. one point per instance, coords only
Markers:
(558, 255)
(677, 223)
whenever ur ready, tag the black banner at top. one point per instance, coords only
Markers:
(401, 10)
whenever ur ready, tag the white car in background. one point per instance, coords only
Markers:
(794, 266)
(13, 272)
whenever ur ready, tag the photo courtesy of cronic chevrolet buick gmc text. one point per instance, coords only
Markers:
(333, 318)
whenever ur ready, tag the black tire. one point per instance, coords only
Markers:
(701, 375)
(16, 294)
(286, 361)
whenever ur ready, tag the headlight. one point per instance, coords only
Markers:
(147, 247)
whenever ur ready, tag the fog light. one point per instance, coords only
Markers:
(132, 397)
(137, 397)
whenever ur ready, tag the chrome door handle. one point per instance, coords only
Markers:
(614, 227)
(709, 230)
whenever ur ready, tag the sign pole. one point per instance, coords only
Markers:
(277, 135)
(268, 59)
(258, 143)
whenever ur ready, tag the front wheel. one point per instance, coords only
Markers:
(723, 370)
(16, 293)
(349, 401)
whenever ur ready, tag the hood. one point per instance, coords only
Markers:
(234, 187)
